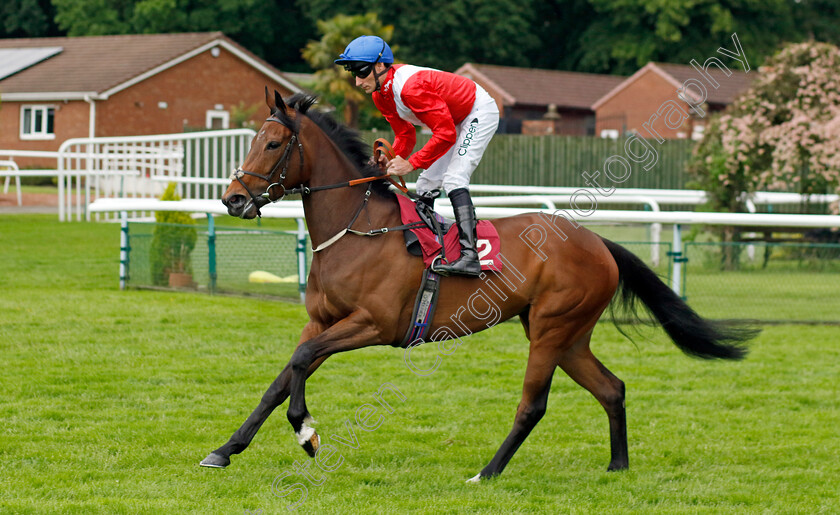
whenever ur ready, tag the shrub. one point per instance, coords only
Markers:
(173, 241)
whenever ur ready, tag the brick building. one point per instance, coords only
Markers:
(525, 97)
(53, 89)
(669, 100)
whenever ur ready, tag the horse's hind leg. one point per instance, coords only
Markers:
(587, 371)
(542, 361)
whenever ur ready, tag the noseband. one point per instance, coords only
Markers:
(284, 160)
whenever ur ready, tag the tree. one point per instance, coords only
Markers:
(444, 34)
(93, 17)
(818, 20)
(781, 134)
(262, 26)
(331, 80)
(627, 34)
(559, 26)
(27, 19)
(604, 36)
(784, 132)
(319, 10)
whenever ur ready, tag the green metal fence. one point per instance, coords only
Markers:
(514, 159)
(223, 260)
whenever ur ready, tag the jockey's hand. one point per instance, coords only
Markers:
(399, 166)
(381, 162)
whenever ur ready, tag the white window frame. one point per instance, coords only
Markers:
(41, 110)
(213, 114)
(609, 133)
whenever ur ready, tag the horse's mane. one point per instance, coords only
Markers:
(347, 139)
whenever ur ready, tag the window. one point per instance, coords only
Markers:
(37, 122)
(217, 120)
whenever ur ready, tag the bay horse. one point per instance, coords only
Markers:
(361, 290)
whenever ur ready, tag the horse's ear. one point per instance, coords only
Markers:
(278, 101)
(269, 101)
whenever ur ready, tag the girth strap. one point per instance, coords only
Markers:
(424, 309)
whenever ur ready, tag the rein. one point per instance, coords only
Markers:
(372, 232)
(306, 190)
(381, 146)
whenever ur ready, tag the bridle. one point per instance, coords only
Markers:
(284, 160)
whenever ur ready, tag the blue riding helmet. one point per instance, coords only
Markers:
(366, 49)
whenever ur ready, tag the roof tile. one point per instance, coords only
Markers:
(98, 63)
(530, 86)
(729, 89)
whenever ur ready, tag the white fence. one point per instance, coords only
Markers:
(10, 169)
(134, 167)
(88, 169)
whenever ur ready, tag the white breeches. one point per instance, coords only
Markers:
(454, 169)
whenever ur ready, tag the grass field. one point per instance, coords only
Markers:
(111, 398)
(31, 188)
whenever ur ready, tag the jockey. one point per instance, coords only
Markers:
(461, 116)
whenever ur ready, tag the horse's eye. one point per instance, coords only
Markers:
(272, 145)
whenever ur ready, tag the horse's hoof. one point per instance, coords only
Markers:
(475, 479)
(308, 438)
(614, 467)
(215, 461)
(311, 446)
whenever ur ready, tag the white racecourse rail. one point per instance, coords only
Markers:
(534, 238)
(551, 197)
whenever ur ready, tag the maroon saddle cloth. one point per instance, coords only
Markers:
(487, 238)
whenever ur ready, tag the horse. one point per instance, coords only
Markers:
(361, 290)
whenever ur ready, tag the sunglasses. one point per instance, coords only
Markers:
(360, 71)
(363, 70)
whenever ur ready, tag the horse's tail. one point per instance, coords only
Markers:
(693, 334)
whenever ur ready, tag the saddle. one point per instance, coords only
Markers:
(427, 235)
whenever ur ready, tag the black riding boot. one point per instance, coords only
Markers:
(468, 263)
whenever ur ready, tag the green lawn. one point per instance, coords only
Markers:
(111, 398)
(31, 188)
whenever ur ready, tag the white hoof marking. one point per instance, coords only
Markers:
(306, 432)
(476, 479)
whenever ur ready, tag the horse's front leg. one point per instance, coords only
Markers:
(273, 397)
(353, 332)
